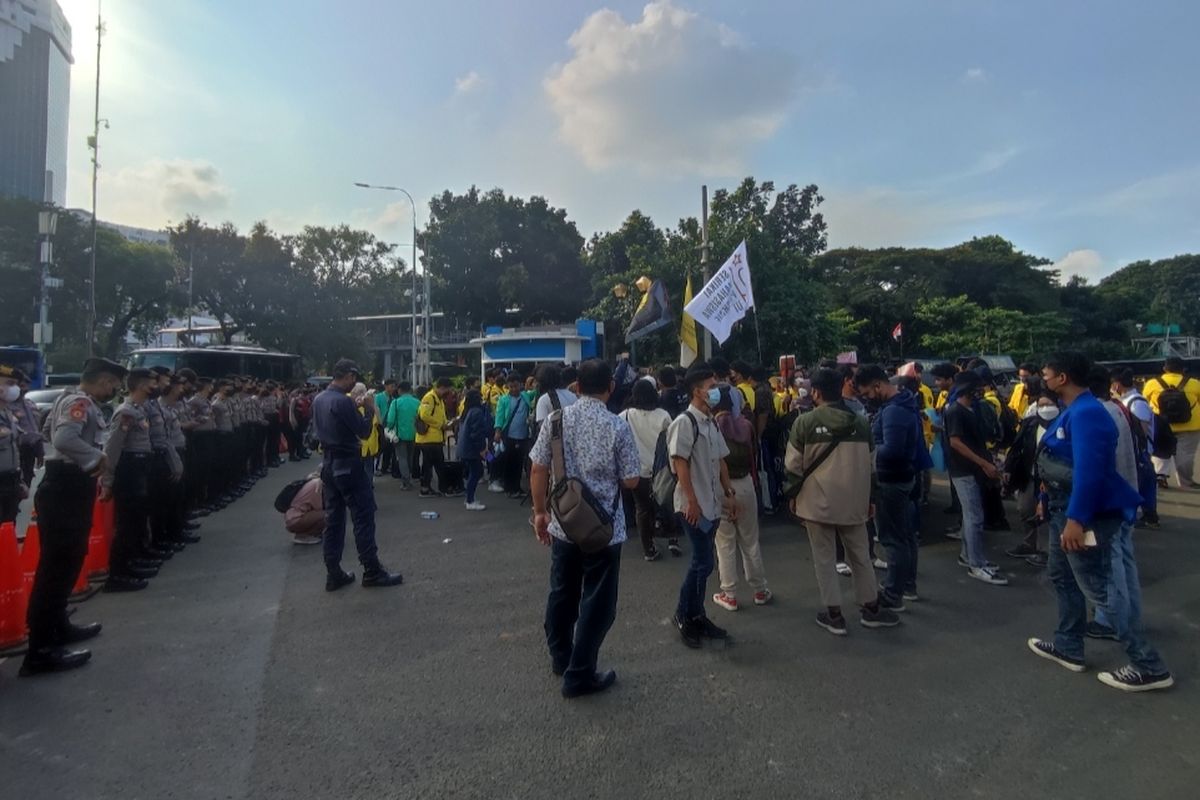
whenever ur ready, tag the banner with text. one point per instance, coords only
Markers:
(726, 298)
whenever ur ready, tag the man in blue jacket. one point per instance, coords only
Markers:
(1089, 503)
(900, 456)
(345, 483)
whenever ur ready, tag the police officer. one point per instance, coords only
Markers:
(126, 480)
(270, 410)
(12, 489)
(345, 481)
(175, 417)
(201, 447)
(166, 470)
(30, 439)
(64, 503)
(222, 476)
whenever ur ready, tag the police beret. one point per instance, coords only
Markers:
(344, 367)
(95, 366)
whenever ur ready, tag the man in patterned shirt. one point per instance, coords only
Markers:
(599, 450)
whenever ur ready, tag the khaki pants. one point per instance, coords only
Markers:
(823, 537)
(740, 536)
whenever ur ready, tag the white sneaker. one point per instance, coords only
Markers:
(496, 488)
(306, 539)
(843, 568)
(879, 563)
(988, 575)
(474, 506)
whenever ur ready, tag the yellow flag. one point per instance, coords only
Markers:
(689, 348)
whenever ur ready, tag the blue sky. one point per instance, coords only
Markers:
(1068, 127)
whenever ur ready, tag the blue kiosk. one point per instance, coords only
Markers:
(556, 344)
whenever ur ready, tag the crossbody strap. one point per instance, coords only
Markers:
(820, 459)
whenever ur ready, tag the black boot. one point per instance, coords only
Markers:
(337, 578)
(72, 634)
(53, 659)
(376, 576)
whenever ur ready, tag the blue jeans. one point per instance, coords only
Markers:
(474, 473)
(1083, 577)
(894, 524)
(581, 607)
(695, 582)
(345, 485)
(970, 496)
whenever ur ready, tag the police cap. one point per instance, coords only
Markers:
(95, 367)
(12, 372)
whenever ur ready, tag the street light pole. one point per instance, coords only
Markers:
(95, 146)
(416, 378)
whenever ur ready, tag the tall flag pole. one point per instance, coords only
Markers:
(689, 349)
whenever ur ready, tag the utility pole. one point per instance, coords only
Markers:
(706, 345)
(43, 332)
(94, 144)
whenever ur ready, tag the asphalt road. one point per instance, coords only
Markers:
(236, 676)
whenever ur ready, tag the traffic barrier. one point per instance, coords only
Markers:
(13, 599)
(95, 566)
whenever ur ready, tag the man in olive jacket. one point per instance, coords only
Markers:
(829, 466)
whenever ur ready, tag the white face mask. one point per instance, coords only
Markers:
(1047, 412)
(802, 393)
(12, 393)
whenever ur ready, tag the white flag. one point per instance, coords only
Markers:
(726, 298)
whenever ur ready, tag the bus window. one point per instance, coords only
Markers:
(212, 364)
(151, 360)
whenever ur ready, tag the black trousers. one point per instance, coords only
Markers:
(432, 459)
(28, 462)
(131, 490)
(198, 469)
(581, 607)
(515, 453)
(258, 435)
(222, 474)
(162, 499)
(64, 503)
(10, 496)
(271, 445)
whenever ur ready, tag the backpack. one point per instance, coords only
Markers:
(283, 500)
(1009, 425)
(663, 479)
(989, 422)
(1173, 402)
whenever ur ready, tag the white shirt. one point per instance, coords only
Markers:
(544, 407)
(646, 425)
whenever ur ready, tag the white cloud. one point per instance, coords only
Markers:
(974, 75)
(161, 191)
(670, 93)
(468, 83)
(1085, 263)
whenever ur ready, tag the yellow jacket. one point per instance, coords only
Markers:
(370, 445)
(433, 413)
(1019, 400)
(1154, 387)
(942, 397)
(747, 390)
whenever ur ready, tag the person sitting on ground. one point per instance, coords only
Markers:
(305, 516)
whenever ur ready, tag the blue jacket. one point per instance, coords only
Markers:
(1085, 437)
(900, 451)
(474, 434)
(338, 424)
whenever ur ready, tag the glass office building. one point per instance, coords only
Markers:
(35, 89)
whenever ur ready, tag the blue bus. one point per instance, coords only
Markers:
(217, 361)
(29, 360)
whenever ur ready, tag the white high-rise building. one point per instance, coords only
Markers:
(35, 94)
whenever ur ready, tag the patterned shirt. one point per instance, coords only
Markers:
(598, 449)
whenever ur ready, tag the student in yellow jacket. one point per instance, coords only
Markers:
(1185, 423)
(1019, 400)
(431, 437)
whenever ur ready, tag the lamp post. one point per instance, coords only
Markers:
(47, 225)
(413, 266)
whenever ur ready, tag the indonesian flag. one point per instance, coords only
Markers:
(898, 332)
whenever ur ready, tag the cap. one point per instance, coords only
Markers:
(12, 372)
(344, 367)
(160, 370)
(103, 365)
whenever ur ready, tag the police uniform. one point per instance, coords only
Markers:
(30, 438)
(127, 474)
(201, 447)
(222, 468)
(64, 503)
(165, 471)
(270, 411)
(12, 489)
(175, 510)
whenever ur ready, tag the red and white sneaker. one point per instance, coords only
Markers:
(725, 601)
(763, 597)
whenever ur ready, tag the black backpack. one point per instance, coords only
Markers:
(283, 501)
(1010, 424)
(1173, 403)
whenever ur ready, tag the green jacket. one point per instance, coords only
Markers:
(505, 406)
(838, 492)
(402, 413)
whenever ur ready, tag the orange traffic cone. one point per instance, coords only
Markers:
(99, 541)
(13, 631)
(31, 552)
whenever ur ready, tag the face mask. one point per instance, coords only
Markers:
(802, 393)
(1047, 412)
(12, 393)
(713, 397)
